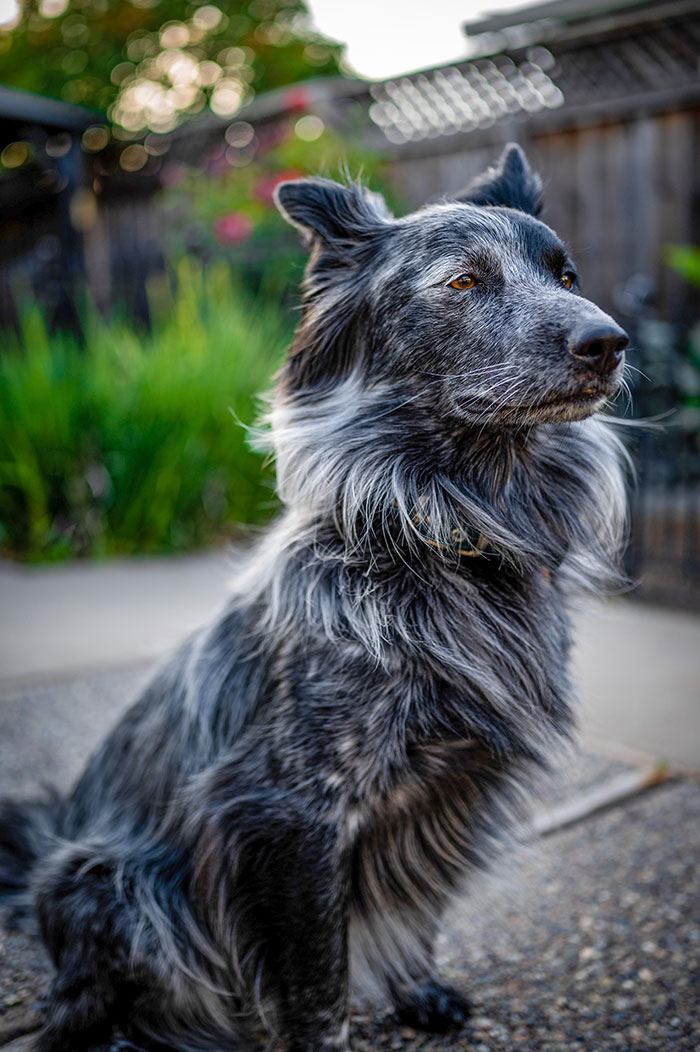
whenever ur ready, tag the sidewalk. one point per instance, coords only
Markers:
(62, 621)
(588, 940)
(637, 667)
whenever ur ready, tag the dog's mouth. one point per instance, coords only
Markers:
(565, 405)
(587, 396)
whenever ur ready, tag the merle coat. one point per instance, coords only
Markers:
(301, 790)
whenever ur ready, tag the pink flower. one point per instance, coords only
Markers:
(297, 98)
(232, 227)
(265, 187)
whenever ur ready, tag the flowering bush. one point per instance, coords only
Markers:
(232, 227)
(224, 205)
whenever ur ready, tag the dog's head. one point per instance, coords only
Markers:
(471, 305)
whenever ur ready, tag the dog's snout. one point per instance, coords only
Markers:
(600, 346)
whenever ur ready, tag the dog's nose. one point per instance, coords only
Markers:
(600, 346)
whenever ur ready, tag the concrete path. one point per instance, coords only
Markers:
(63, 621)
(637, 666)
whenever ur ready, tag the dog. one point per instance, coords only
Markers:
(305, 785)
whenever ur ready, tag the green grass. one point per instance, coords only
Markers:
(132, 443)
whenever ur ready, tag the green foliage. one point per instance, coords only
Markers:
(97, 52)
(685, 260)
(133, 443)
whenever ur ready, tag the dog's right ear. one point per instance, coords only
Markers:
(324, 210)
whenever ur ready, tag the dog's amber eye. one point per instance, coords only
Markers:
(464, 281)
(568, 279)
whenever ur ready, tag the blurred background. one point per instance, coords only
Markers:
(147, 284)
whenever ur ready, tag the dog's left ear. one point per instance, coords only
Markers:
(329, 212)
(510, 182)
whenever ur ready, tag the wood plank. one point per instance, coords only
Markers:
(643, 199)
(590, 219)
(614, 248)
(676, 177)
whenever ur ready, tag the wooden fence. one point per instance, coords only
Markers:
(617, 191)
(620, 191)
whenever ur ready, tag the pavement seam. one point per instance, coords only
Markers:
(611, 793)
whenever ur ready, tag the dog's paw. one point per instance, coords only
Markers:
(432, 1006)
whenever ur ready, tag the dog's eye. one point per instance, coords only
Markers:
(568, 278)
(464, 281)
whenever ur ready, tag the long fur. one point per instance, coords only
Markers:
(302, 788)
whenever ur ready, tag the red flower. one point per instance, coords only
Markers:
(296, 99)
(265, 187)
(232, 227)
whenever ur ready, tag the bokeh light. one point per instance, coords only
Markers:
(239, 134)
(95, 138)
(15, 154)
(52, 8)
(133, 158)
(309, 128)
(9, 13)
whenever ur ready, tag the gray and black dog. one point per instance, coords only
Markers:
(299, 792)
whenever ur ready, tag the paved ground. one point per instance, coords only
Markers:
(592, 945)
(638, 666)
(638, 671)
(59, 621)
(596, 946)
(588, 939)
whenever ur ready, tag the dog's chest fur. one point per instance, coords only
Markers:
(421, 762)
(418, 762)
(480, 669)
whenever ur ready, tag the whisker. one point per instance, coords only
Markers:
(649, 423)
(470, 374)
(495, 407)
(634, 369)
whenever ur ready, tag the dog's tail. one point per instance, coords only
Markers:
(28, 831)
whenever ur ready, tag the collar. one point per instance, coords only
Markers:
(462, 542)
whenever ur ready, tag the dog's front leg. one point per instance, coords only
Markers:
(286, 882)
(312, 945)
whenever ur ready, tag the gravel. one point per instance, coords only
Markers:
(24, 975)
(593, 944)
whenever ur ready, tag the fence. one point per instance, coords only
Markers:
(664, 549)
(620, 191)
